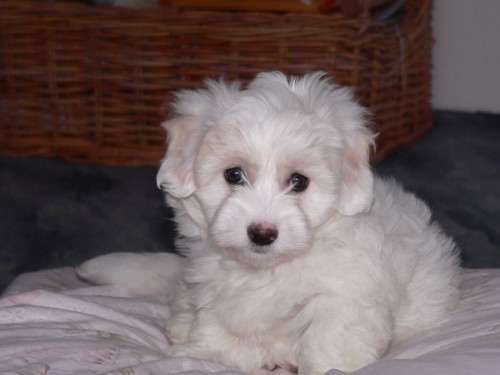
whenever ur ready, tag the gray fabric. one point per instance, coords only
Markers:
(55, 213)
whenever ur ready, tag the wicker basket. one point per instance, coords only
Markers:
(91, 83)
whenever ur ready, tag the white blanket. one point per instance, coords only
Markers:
(53, 323)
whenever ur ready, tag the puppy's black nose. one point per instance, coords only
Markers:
(262, 234)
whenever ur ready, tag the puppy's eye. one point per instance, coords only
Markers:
(235, 176)
(298, 182)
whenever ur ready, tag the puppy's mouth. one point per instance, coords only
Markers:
(260, 249)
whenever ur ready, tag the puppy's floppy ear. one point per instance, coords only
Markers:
(175, 176)
(196, 111)
(356, 187)
(356, 190)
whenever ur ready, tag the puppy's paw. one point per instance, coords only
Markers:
(183, 351)
(177, 330)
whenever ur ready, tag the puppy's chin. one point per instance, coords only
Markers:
(259, 257)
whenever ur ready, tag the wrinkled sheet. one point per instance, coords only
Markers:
(53, 323)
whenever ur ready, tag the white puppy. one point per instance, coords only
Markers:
(296, 255)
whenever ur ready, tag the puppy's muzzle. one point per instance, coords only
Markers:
(262, 234)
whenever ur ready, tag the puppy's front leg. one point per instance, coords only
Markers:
(347, 340)
(210, 340)
(178, 327)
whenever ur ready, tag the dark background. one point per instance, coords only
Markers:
(54, 213)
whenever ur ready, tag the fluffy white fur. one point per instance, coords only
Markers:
(338, 271)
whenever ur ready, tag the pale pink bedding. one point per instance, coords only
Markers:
(53, 323)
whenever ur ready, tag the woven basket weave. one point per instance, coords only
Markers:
(91, 83)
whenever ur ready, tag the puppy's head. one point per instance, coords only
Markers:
(261, 169)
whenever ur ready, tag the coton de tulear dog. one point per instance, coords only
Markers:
(296, 255)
